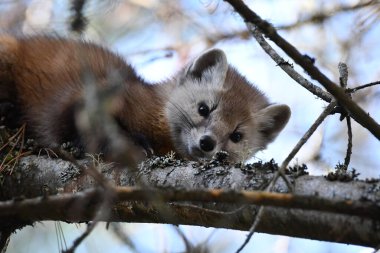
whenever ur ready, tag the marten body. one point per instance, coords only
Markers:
(206, 108)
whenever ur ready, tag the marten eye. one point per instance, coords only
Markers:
(203, 110)
(236, 137)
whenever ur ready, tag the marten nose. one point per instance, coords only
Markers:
(207, 143)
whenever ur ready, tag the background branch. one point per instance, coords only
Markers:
(304, 61)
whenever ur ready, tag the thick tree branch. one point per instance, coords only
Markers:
(352, 204)
(53, 206)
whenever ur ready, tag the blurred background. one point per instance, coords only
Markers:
(159, 37)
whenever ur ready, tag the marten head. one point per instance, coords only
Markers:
(214, 108)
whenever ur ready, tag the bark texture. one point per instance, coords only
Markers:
(51, 178)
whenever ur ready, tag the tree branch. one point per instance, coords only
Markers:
(323, 15)
(304, 61)
(316, 202)
(31, 208)
(287, 67)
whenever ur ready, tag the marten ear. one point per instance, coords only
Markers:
(271, 120)
(210, 67)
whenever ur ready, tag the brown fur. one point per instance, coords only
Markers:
(47, 79)
(44, 77)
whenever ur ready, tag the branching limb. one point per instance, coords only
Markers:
(285, 163)
(304, 61)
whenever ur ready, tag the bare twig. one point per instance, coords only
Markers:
(118, 231)
(281, 170)
(349, 143)
(343, 78)
(287, 67)
(17, 138)
(309, 132)
(188, 245)
(352, 90)
(106, 197)
(252, 229)
(304, 61)
(79, 240)
(61, 241)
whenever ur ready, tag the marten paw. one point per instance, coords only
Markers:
(141, 141)
(149, 152)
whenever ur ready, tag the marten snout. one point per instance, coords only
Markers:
(207, 143)
(205, 147)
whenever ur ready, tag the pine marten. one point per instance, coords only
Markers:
(207, 107)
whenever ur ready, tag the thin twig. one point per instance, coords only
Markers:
(252, 229)
(106, 198)
(61, 241)
(103, 213)
(349, 143)
(281, 171)
(122, 236)
(343, 78)
(287, 67)
(19, 136)
(13, 137)
(79, 240)
(308, 134)
(188, 245)
(19, 154)
(352, 90)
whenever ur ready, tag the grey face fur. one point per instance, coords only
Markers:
(214, 108)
